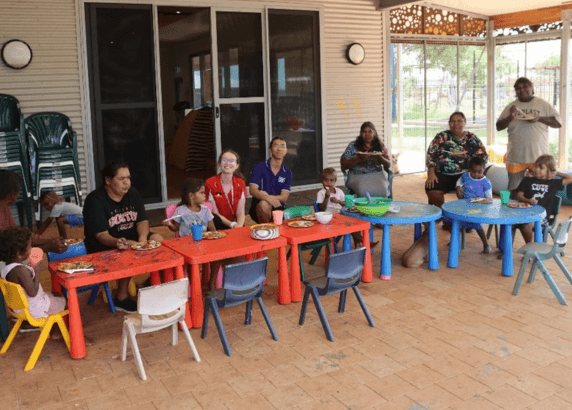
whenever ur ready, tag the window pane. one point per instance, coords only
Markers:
(242, 129)
(408, 113)
(239, 37)
(543, 69)
(125, 55)
(295, 92)
(473, 89)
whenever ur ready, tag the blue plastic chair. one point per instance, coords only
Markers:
(539, 252)
(79, 250)
(342, 272)
(242, 283)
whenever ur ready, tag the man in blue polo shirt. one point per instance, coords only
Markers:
(270, 183)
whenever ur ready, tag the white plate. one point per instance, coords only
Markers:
(77, 270)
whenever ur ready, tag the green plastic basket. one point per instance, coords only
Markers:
(379, 206)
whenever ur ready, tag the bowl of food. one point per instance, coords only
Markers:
(324, 217)
(376, 207)
(264, 231)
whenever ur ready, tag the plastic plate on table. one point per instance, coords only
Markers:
(311, 217)
(300, 224)
(147, 247)
(525, 117)
(214, 235)
(79, 266)
(481, 200)
(353, 210)
(518, 205)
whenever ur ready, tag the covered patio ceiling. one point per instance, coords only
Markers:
(482, 7)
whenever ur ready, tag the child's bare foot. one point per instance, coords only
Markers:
(486, 250)
(499, 256)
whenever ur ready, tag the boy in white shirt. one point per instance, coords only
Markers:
(66, 214)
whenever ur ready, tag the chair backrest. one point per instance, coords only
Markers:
(244, 281)
(344, 269)
(17, 301)
(78, 249)
(49, 128)
(554, 211)
(561, 234)
(297, 211)
(316, 206)
(169, 211)
(163, 298)
(10, 115)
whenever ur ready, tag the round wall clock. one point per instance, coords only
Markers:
(16, 54)
(355, 53)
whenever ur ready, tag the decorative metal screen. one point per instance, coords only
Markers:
(416, 19)
(527, 29)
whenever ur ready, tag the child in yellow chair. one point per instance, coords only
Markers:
(15, 250)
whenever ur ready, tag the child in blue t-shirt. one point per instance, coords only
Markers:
(474, 184)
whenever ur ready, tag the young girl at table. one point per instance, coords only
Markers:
(15, 250)
(540, 187)
(474, 184)
(192, 212)
(331, 199)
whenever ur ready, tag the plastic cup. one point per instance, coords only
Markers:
(197, 231)
(277, 217)
(36, 256)
(504, 197)
(349, 201)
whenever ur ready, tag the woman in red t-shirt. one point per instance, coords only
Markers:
(227, 192)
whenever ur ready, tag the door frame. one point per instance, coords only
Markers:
(246, 6)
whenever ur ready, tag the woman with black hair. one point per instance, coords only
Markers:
(366, 159)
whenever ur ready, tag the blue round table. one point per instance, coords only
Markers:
(463, 210)
(409, 213)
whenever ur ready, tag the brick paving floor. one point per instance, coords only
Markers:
(447, 339)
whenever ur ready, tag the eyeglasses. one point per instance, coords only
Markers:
(228, 161)
(278, 145)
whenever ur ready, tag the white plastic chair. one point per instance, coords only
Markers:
(158, 307)
(539, 252)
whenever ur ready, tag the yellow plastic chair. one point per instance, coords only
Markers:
(17, 303)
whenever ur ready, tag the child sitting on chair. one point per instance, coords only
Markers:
(331, 199)
(474, 184)
(66, 214)
(540, 187)
(15, 249)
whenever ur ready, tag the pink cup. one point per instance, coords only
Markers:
(36, 256)
(277, 217)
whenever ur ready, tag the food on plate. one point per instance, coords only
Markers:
(352, 209)
(311, 217)
(482, 200)
(75, 265)
(525, 116)
(214, 235)
(300, 224)
(72, 241)
(152, 244)
(518, 205)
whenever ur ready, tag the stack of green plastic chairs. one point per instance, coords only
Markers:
(13, 155)
(53, 156)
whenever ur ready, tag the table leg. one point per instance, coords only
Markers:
(168, 275)
(284, 296)
(433, 253)
(295, 284)
(454, 245)
(538, 231)
(367, 272)
(56, 286)
(196, 297)
(418, 232)
(155, 278)
(506, 250)
(347, 241)
(180, 274)
(77, 340)
(385, 255)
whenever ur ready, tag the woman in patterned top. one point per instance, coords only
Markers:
(448, 158)
(366, 160)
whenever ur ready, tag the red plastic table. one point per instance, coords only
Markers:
(111, 265)
(339, 225)
(237, 242)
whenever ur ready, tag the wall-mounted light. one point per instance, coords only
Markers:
(16, 54)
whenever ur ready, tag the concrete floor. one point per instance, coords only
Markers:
(445, 339)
